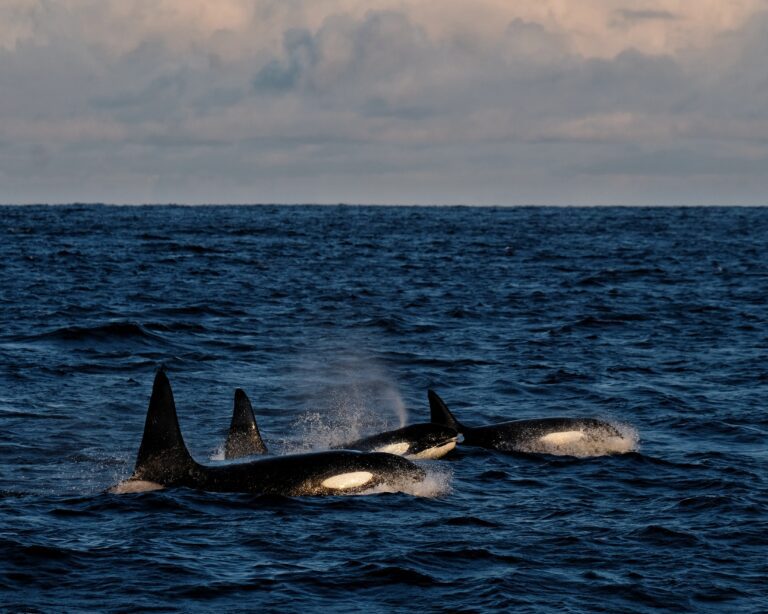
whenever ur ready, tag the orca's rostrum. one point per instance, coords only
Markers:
(164, 461)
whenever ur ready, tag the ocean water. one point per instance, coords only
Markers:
(336, 321)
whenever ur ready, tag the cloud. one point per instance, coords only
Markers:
(381, 101)
(673, 162)
(645, 15)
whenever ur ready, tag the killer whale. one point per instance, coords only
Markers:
(417, 441)
(575, 436)
(164, 461)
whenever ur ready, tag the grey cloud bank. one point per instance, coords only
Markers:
(375, 107)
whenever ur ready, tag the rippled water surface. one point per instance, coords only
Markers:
(336, 321)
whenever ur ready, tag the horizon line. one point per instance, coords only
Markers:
(405, 205)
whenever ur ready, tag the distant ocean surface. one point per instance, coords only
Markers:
(336, 321)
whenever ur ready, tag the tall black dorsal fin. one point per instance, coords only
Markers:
(243, 438)
(163, 457)
(440, 414)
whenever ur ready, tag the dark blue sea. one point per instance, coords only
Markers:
(336, 320)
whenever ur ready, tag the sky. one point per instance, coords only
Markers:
(596, 102)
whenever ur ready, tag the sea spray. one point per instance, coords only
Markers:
(349, 395)
(437, 483)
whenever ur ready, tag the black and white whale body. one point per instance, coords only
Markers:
(164, 461)
(417, 441)
(569, 436)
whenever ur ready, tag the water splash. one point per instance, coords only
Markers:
(350, 395)
(316, 430)
(437, 483)
(218, 453)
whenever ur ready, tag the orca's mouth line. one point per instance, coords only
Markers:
(435, 451)
(447, 440)
(437, 443)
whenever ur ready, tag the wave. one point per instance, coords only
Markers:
(391, 324)
(661, 535)
(420, 360)
(101, 333)
(160, 246)
(564, 375)
(706, 502)
(199, 310)
(462, 521)
(614, 276)
(172, 327)
(591, 322)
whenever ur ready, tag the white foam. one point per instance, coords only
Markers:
(436, 483)
(218, 454)
(585, 442)
(357, 397)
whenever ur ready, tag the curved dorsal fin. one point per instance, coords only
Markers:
(440, 414)
(163, 457)
(243, 438)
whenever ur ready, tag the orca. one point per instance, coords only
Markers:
(417, 441)
(571, 436)
(164, 461)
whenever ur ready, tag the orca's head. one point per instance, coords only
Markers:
(430, 440)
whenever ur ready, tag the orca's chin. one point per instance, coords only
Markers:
(436, 451)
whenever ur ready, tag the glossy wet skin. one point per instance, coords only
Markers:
(548, 435)
(292, 475)
(507, 435)
(163, 459)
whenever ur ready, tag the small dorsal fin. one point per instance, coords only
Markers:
(163, 457)
(440, 414)
(243, 438)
